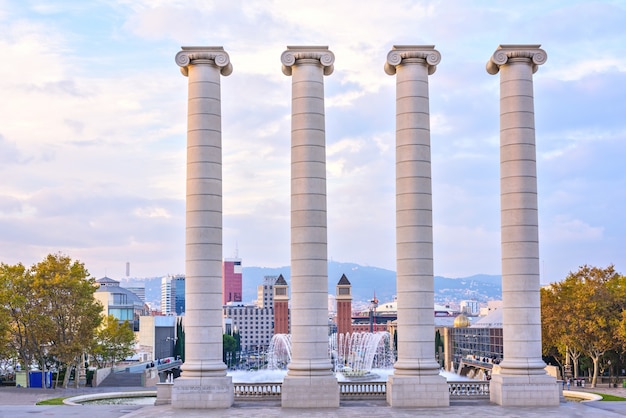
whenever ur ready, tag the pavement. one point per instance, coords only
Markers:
(20, 402)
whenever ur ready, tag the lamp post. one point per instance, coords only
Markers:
(173, 340)
(43, 366)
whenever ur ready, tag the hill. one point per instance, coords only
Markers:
(368, 280)
(365, 281)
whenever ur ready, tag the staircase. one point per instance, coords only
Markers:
(122, 379)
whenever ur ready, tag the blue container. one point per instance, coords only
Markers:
(36, 379)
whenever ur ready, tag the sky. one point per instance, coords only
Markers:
(93, 129)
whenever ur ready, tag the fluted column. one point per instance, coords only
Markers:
(309, 381)
(521, 315)
(203, 383)
(416, 370)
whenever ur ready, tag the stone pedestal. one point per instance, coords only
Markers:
(203, 383)
(416, 373)
(314, 393)
(522, 379)
(526, 390)
(164, 393)
(418, 391)
(203, 393)
(309, 381)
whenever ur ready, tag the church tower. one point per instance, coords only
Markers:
(344, 306)
(281, 306)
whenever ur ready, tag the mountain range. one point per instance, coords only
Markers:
(366, 281)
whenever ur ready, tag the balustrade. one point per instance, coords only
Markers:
(357, 390)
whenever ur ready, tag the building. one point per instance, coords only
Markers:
(157, 336)
(255, 323)
(231, 280)
(344, 306)
(469, 307)
(173, 294)
(477, 346)
(281, 306)
(166, 295)
(122, 303)
(140, 291)
(178, 294)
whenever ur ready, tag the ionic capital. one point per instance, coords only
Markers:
(216, 54)
(399, 53)
(533, 53)
(320, 53)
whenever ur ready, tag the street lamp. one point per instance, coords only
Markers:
(43, 365)
(173, 339)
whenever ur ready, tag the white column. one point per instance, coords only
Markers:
(522, 379)
(415, 381)
(203, 383)
(310, 382)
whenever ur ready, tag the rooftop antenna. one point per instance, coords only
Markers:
(127, 269)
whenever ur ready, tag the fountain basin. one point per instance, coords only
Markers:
(139, 397)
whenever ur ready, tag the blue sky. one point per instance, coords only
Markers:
(93, 127)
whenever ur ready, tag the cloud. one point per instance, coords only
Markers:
(92, 140)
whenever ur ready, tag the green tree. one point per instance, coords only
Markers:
(66, 290)
(229, 348)
(6, 332)
(30, 329)
(114, 341)
(51, 311)
(179, 346)
(585, 314)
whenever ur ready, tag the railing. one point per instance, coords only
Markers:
(474, 390)
(356, 390)
(362, 390)
(257, 391)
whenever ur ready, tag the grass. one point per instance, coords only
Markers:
(610, 398)
(51, 401)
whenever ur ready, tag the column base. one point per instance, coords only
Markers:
(528, 390)
(418, 391)
(203, 392)
(310, 392)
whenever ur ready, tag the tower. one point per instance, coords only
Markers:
(281, 306)
(344, 306)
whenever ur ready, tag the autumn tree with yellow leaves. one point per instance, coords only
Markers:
(585, 314)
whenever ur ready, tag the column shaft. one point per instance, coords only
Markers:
(522, 379)
(310, 382)
(521, 313)
(414, 234)
(309, 256)
(203, 383)
(415, 381)
(203, 238)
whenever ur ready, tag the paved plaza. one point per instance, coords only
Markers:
(20, 402)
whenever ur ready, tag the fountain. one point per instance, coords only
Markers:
(353, 355)
(279, 352)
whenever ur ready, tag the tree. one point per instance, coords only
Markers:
(114, 341)
(6, 349)
(229, 346)
(585, 314)
(51, 311)
(66, 290)
(179, 346)
(29, 327)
